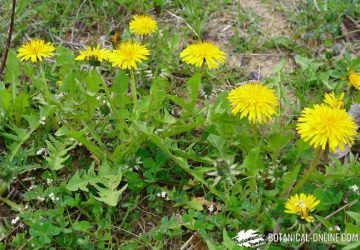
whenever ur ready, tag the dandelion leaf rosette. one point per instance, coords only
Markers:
(106, 183)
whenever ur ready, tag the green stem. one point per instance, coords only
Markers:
(109, 98)
(254, 131)
(87, 100)
(307, 172)
(202, 69)
(45, 85)
(133, 88)
(107, 93)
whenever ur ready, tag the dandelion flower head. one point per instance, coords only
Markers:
(199, 53)
(323, 126)
(93, 54)
(334, 101)
(302, 205)
(128, 55)
(35, 50)
(143, 25)
(255, 101)
(354, 79)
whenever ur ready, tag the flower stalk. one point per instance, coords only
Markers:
(254, 132)
(307, 172)
(45, 85)
(133, 88)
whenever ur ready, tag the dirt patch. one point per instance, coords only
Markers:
(259, 66)
(223, 25)
(272, 24)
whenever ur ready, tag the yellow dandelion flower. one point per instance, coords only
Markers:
(93, 54)
(254, 100)
(128, 54)
(35, 50)
(323, 126)
(354, 79)
(143, 25)
(199, 53)
(334, 101)
(302, 205)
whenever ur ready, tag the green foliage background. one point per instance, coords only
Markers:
(101, 177)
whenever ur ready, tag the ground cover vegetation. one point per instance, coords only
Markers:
(179, 124)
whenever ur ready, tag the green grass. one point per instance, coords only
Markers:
(101, 174)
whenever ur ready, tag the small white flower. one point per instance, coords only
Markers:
(60, 95)
(49, 181)
(98, 98)
(15, 220)
(163, 194)
(41, 151)
(42, 120)
(337, 228)
(40, 198)
(26, 206)
(354, 188)
(211, 208)
(52, 196)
